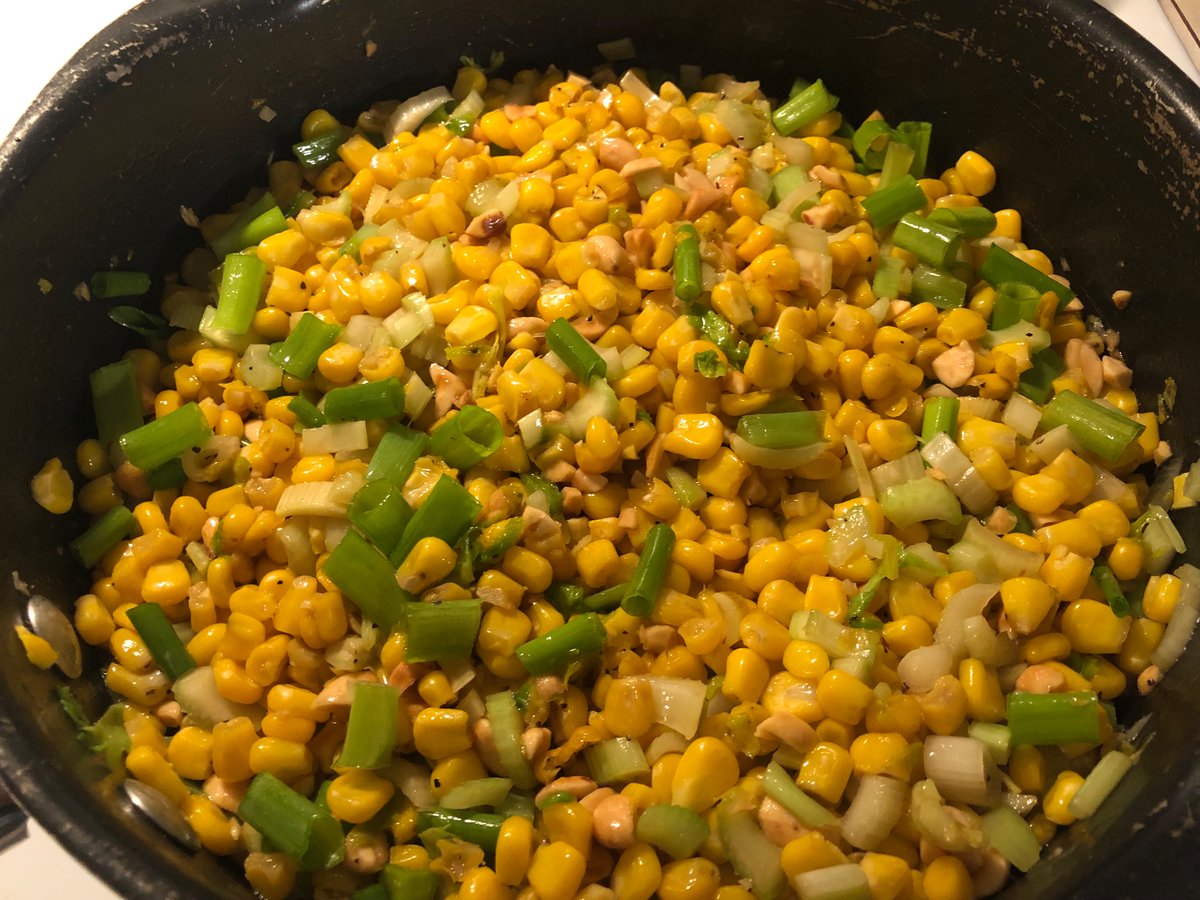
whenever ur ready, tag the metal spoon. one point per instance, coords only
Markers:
(162, 812)
(51, 624)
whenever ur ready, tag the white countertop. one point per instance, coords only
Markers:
(30, 54)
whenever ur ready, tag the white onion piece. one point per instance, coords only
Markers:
(797, 151)
(879, 310)
(1022, 415)
(334, 438)
(961, 476)
(848, 534)
(1054, 442)
(1107, 486)
(874, 811)
(731, 615)
(483, 196)
(770, 458)
(469, 109)
(922, 666)
(213, 459)
(412, 112)
(506, 200)
(198, 697)
(816, 269)
(800, 195)
(532, 428)
(631, 84)
(970, 601)
(777, 219)
(335, 530)
(667, 742)
(979, 407)
(634, 355)
(963, 770)
(554, 362)
(612, 359)
(678, 702)
(743, 124)
(460, 672)
(413, 319)
(952, 831)
(360, 331)
(297, 546)
(908, 467)
(413, 780)
(314, 498)
(805, 236)
(858, 464)
(438, 264)
(735, 90)
(417, 395)
(986, 645)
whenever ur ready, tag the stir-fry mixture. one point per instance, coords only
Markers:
(562, 489)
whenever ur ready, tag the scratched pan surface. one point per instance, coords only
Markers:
(1095, 137)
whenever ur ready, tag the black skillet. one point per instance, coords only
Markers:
(1095, 135)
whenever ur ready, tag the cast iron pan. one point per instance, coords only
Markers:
(1094, 133)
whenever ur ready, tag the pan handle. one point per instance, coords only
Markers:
(12, 822)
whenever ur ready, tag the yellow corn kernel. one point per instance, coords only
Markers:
(843, 697)
(439, 733)
(944, 706)
(286, 760)
(637, 873)
(1076, 535)
(690, 879)
(1161, 597)
(190, 753)
(357, 795)
(707, 769)
(1092, 627)
(985, 699)
(37, 649)
(810, 852)
(695, 435)
(1027, 602)
(430, 560)
(1046, 648)
(825, 771)
(149, 766)
(1126, 558)
(977, 173)
(1039, 493)
(597, 562)
(907, 633)
(889, 753)
(947, 878)
(1057, 800)
(746, 675)
(514, 850)
(231, 745)
(52, 488)
(556, 871)
(629, 707)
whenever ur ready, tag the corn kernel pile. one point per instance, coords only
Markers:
(799, 630)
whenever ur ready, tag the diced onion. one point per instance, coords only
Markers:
(953, 832)
(412, 112)
(360, 331)
(212, 460)
(970, 601)
(744, 125)
(963, 770)
(908, 467)
(413, 319)
(1022, 415)
(1054, 442)
(417, 395)
(986, 645)
(334, 438)
(797, 151)
(979, 407)
(990, 556)
(313, 498)
(613, 51)
(678, 702)
(198, 697)
(874, 811)
(961, 476)
(631, 84)
(667, 742)
(1183, 620)
(922, 666)
(634, 355)
(858, 464)
(801, 235)
(532, 428)
(413, 780)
